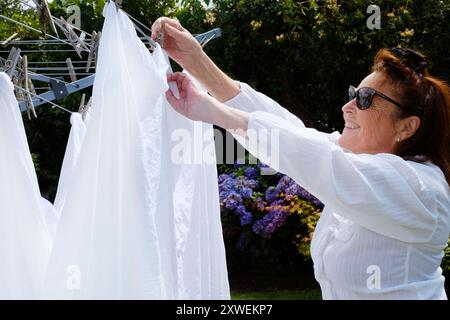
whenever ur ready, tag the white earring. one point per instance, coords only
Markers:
(398, 139)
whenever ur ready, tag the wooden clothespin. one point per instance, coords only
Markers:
(45, 16)
(19, 93)
(76, 41)
(31, 87)
(160, 37)
(28, 100)
(118, 4)
(13, 60)
(72, 73)
(82, 105)
(95, 42)
(84, 108)
(11, 38)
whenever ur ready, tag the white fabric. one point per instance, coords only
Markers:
(75, 141)
(24, 238)
(134, 224)
(382, 213)
(51, 217)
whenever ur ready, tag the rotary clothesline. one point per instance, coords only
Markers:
(24, 75)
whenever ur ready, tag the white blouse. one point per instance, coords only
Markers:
(385, 224)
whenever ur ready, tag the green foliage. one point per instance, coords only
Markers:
(307, 294)
(304, 54)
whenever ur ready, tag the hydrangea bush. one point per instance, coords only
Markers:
(266, 218)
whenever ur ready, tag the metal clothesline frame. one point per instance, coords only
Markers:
(69, 88)
(89, 80)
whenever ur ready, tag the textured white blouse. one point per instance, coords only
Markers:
(385, 224)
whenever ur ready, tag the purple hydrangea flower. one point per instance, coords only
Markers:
(227, 185)
(258, 227)
(233, 200)
(246, 218)
(252, 183)
(271, 194)
(240, 210)
(223, 177)
(293, 190)
(251, 173)
(284, 183)
(260, 204)
(246, 192)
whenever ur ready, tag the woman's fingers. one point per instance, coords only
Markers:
(163, 22)
(171, 98)
(177, 77)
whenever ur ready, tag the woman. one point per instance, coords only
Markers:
(384, 181)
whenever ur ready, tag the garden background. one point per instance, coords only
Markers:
(304, 54)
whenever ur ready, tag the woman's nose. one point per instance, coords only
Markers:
(349, 106)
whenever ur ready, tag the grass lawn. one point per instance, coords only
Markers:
(305, 294)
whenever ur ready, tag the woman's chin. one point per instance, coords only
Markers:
(345, 143)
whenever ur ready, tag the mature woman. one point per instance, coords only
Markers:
(384, 181)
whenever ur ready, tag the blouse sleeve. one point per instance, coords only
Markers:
(382, 192)
(250, 100)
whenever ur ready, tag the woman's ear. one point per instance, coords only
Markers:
(407, 127)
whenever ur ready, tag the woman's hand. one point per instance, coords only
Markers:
(192, 103)
(187, 52)
(199, 106)
(178, 42)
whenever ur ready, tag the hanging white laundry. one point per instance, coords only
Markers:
(51, 216)
(106, 245)
(24, 238)
(75, 141)
(134, 224)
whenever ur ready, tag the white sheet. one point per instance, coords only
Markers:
(24, 237)
(135, 225)
(74, 143)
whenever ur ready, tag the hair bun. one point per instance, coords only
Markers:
(411, 59)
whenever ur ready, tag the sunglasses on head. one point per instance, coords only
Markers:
(364, 97)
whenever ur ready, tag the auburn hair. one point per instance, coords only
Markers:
(422, 95)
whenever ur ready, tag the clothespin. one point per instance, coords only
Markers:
(28, 100)
(11, 38)
(82, 105)
(45, 16)
(19, 93)
(160, 37)
(76, 41)
(95, 42)
(84, 108)
(31, 87)
(118, 4)
(72, 73)
(12, 62)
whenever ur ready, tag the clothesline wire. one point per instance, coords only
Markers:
(40, 50)
(54, 62)
(35, 8)
(58, 68)
(48, 101)
(64, 74)
(40, 74)
(137, 21)
(33, 29)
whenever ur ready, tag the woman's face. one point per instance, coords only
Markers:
(372, 130)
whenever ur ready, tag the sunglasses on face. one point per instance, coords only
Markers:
(364, 97)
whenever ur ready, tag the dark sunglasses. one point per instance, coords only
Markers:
(364, 97)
